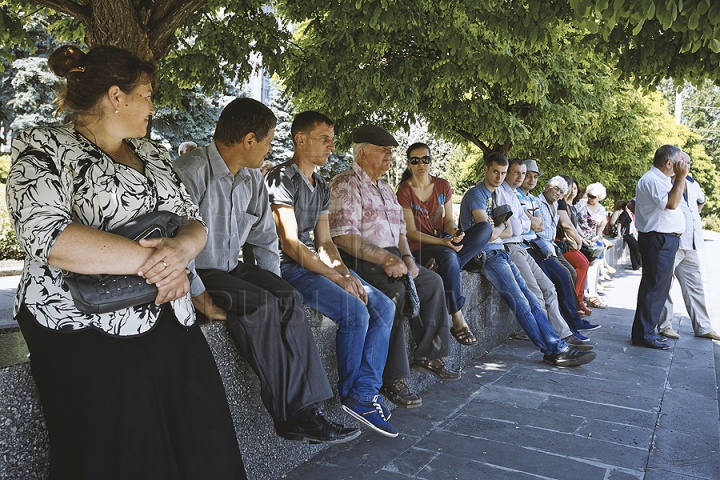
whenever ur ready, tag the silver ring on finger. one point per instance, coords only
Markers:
(164, 264)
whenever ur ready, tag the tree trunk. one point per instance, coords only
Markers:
(117, 23)
(144, 27)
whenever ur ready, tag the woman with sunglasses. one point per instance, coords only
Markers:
(433, 234)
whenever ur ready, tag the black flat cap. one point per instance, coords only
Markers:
(375, 135)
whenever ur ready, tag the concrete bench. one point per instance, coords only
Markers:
(23, 437)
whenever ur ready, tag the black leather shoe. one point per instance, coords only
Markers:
(653, 344)
(570, 358)
(313, 427)
(399, 393)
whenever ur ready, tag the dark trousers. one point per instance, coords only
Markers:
(430, 330)
(268, 323)
(658, 258)
(450, 262)
(635, 258)
(565, 289)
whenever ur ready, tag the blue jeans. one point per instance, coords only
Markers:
(505, 277)
(564, 287)
(450, 262)
(363, 331)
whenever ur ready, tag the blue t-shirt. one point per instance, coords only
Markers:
(478, 198)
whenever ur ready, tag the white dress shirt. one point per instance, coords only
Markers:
(651, 197)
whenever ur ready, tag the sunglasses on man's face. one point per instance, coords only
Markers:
(415, 160)
(591, 197)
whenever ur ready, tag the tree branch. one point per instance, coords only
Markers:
(166, 17)
(475, 140)
(80, 11)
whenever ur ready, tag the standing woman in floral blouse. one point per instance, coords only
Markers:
(134, 393)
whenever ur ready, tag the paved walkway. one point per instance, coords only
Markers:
(632, 413)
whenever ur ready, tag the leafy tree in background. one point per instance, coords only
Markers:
(284, 109)
(491, 72)
(194, 42)
(656, 39)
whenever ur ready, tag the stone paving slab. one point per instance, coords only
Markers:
(633, 413)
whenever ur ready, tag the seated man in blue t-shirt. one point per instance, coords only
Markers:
(476, 207)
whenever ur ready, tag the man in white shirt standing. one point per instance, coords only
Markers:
(687, 267)
(660, 223)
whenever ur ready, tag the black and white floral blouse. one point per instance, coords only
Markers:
(59, 177)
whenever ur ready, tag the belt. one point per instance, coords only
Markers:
(513, 243)
(672, 234)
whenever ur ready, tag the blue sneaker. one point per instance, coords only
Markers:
(585, 325)
(371, 414)
(580, 336)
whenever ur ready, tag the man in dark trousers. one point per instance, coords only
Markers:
(660, 223)
(264, 313)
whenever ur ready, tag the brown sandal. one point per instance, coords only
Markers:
(464, 336)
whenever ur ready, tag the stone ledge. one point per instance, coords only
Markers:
(23, 437)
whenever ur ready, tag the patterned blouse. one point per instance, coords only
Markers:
(359, 207)
(590, 221)
(59, 177)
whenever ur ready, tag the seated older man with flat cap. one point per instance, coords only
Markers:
(367, 224)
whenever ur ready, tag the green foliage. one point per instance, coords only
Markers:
(284, 109)
(34, 89)
(656, 39)
(9, 246)
(712, 222)
(220, 39)
(193, 120)
(485, 71)
(4, 170)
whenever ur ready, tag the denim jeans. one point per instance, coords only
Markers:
(506, 278)
(565, 289)
(363, 332)
(450, 262)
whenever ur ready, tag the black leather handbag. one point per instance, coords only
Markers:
(107, 293)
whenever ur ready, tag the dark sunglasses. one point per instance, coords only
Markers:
(591, 197)
(415, 160)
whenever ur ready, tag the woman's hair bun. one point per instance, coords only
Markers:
(65, 59)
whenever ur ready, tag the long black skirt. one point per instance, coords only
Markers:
(145, 407)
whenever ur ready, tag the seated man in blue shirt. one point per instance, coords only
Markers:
(265, 315)
(310, 262)
(477, 206)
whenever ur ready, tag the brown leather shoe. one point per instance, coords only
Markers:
(399, 393)
(436, 367)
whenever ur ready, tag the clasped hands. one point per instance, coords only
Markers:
(166, 268)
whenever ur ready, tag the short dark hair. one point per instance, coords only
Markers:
(90, 75)
(414, 146)
(496, 157)
(515, 161)
(243, 116)
(305, 122)
(665, 153)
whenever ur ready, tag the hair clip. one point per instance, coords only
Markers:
(77, 69)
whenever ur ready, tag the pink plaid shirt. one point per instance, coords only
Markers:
(359, 207)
